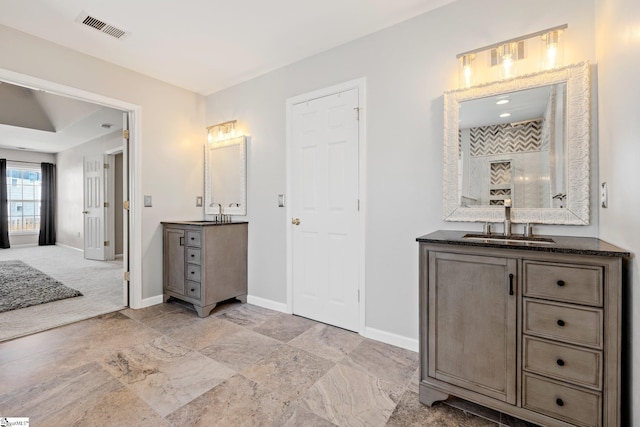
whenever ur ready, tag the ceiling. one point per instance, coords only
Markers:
(39, 121)
(200, 45)
(208, 45)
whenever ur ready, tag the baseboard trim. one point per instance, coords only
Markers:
(393, 339)
(267, 303)
(148, 302)
(69, 247)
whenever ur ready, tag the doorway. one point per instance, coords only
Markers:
(132, 259)
(325, 250)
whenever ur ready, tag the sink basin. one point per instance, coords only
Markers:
(511, 240)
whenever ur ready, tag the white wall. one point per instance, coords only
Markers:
(69, 170)
(25, 156)
(407, 68)
(172, 127)
(618, 50)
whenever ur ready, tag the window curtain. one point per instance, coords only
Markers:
(4, 207)
(48, 205)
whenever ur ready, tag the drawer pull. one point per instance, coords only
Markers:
(560, 362)
(510, 284)
(193, 238)
(193, 256)
(560, 322)
(193, 290)
(560, 283)
(559, 402)
(193, 272)
(181, 241)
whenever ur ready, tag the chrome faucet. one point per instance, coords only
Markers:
(507, 217)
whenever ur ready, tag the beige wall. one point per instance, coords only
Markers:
(618, 49)
(69, 169)
(172, 131)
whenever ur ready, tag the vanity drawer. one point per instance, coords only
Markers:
(193, 256)
(193, 272)
(568, 363)
(193, 289)
(581, 284)
(193, 238)
(573, 324)
(571, 404)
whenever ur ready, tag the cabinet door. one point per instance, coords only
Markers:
(174, 260)
(472, 323)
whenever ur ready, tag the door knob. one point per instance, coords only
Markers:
(295, 221)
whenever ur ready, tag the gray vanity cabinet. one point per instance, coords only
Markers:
(530, 331)
(472, 331)
(204, 263)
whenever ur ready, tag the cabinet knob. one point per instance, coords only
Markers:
(560, 362)
(560, 322)
(559, 402)
(560, 283)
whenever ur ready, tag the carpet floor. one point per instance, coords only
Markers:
(99, 281)
(24, 286)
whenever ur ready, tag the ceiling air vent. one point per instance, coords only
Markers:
(103, 27)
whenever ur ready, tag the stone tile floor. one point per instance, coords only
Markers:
(241, 366)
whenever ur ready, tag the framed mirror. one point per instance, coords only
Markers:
(525, 139)
(226, 177)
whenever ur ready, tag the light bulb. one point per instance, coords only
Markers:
(209, 136)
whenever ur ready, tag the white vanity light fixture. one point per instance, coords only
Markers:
(225, 130)
(509, 58)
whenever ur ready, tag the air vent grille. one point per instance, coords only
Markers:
(103, 27)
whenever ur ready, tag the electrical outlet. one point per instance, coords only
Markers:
(147, 202)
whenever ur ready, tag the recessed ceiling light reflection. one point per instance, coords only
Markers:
(505, 115)
(502, 101)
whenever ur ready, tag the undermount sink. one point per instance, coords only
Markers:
(509, 240)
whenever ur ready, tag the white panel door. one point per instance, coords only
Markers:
(325, 209)
(94, 208)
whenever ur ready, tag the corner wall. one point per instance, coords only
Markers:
(407, 68)
(618, 52)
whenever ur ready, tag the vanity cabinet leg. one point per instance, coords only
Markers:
(165, 297)
(204, 311)
(429, 396)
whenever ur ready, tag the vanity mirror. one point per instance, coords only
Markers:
(525, 139)
(226, 177)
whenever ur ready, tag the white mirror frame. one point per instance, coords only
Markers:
(578, 128)
(228, 210)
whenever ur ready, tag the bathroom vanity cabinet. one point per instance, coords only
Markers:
(204, 263)
(528, 329)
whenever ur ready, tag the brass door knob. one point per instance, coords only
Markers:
(295, 221)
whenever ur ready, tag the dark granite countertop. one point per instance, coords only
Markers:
(204, 223)
(561, 244)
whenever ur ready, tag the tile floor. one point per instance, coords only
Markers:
(242, 366)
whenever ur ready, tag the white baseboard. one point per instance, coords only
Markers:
(69, 247)
(267, 303)
(148, 302)
(393, 339)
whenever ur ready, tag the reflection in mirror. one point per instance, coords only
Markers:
(512, 147)
(524, 139)
(225, 177)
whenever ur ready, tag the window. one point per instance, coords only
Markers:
(23, 194)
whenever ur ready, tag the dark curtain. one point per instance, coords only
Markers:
(4, 207)
(48, 206)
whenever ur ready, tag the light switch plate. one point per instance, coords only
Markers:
(281, 200)
(199, 202)
(147, 202)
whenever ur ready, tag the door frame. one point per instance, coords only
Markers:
(359, 84)
(135, 170)
(110, 197)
